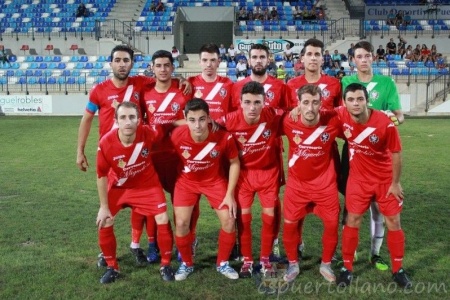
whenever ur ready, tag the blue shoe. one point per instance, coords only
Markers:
(183, 272)
(152, 254)
(227, 271)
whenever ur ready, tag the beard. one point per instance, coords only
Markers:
(260, 72)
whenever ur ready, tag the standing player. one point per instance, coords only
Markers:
(276, 96)
(216, 91)
(256, 129)
(331, 94)
(311, 184)
(126, 178)
(375, 169)
(383, 95)
(163, 103)
(202, 152)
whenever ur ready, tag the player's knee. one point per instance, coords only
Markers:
(108, 222)
(353, 220)
(162, 218)
(393, 222)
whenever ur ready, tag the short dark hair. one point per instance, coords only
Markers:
(162, 54)
(254, 88)
(196, 104)
(353, 87)
(309, 89)
(123, 48)
(314, 43)
(364, 45)
(209, 48)
(259, 47)
(127, 104)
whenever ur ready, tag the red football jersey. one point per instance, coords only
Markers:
(370, 146)
(127, 167)
(203, 161)
(277, 94)
(217, 94)
(258, 143)
(310, 158)
(164, 108)
(105, 97)
(330, 86)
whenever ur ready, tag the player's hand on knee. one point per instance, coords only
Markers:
(104, 218)
(396, 190)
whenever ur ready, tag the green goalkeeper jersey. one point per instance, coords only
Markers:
(383, 94)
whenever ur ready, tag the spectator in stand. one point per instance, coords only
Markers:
(281, 73)
(416, 53)
(81, 10)
(425, 53)
(232, 53)
(401, 47)
(250, 15)
(272, 67)
(409, 53)
(407, 19)
(391, 47)
(241, 55)
(223, 52)
(257, 13)
(399, 18)
(391, 18)
(149, 71)
(274, 14)
(242, 15)
(297, 13)
(306, 14)
(351, 52)
(336, 59)
(340, 73)
(327, 61)
(160, 6)
(434, 54)
(177, 56)
(299, 67)
(288, 53)
(3, 56)
(241, 68)
(381, 54)
(153, 7)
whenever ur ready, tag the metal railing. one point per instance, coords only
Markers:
(437, 89)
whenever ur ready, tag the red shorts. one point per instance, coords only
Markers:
(167, 166)
(187, 193)
(298, 202)
(145, 201)
(265, 183)
(360, 194)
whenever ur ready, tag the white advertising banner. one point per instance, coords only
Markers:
(275, 45)
(418, 12)
(26, 104)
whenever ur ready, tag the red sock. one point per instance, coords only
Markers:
(350, 239)
(108, 244)
(151, 229)
(245, 236)
(277, 218)
(290, 241)
(165, 243)
(267, 235)
(300, 230)
(329, 240)
(396, 246)
(226, 243)
(184, 246)
(137, 225)
(194, 219)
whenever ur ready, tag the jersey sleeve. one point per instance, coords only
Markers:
(393, 138)
(232, 150)
(393, 100)
(102, 164)
(93, 104)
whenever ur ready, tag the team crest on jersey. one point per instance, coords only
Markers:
(136, 96)
(242, 139)
(144, 152)
(175, 107)
(325, 93)
(214, 153)
(186, 154)
(223, 92)
(373, 95)
(198, 94)
(121, 164)
(325, 137)
(114, 104)
(297, 139)
(266, 134)
(151, 108)
(347, 133)
(373, 138)
(270, 95)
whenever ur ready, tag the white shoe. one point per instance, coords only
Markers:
(327, 272)
(183, 272)
(292, 272)
(227, 271)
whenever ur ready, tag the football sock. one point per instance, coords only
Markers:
(137, 226)
(108, 244)
(184, 246)
(277, 220)
(290, 241)
(376, 229)
(165, 243)
(194, 218)
(300, 230)
(396, 245)
(151, 229)
(245, 236)
(329, 240)
(226, 243)
(267, 234)
(350, 241)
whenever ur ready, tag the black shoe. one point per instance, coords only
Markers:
(110, 276)
(236, 253)
(345, 278)
(167, 273)
(101, 262)
(141, 259)
(402, 279)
